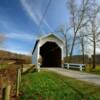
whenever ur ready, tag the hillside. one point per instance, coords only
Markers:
(6, 57)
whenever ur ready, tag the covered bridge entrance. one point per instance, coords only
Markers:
(48, 51)
(51, 55)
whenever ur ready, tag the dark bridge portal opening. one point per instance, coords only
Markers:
(51, 55)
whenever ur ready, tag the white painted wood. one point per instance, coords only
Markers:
(42, 41)
(34, 56)
(72, 65)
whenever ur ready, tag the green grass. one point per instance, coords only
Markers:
(47, 85)
(94, 71)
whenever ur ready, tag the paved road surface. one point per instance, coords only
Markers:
(91, 78)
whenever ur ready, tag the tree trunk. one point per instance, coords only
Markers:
(70, 57)
(66, 45)
(94, 52)
(94, 41)
(83, 49)
(83, 58)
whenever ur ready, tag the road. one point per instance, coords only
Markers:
(91, 78)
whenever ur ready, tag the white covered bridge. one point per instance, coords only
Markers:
(48, 51)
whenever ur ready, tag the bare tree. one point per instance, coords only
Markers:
(77, 18)
(94, 29)
(83, 41)
(64, 32)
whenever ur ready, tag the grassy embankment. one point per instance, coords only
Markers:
(47, 85)
(93, 71)
(96, 70)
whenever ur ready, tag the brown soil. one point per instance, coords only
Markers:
(8, 76)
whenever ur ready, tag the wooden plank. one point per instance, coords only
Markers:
(6, 92)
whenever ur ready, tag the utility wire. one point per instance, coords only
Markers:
(44, 14)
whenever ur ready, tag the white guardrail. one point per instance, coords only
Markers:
(72, 65)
